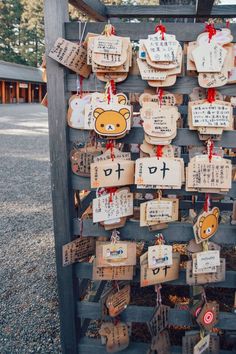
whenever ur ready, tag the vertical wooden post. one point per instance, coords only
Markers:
(17, 92)
(29, 93)
(55, 14)
(40, 93)
(3, 92)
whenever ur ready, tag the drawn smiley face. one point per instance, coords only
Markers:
(111, 122)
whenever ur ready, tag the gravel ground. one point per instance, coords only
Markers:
(29, 321)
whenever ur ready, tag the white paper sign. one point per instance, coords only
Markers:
(121, 205)
(208, 259)
(211, 115)
(159, 256)
(160, 210)
(196, 270)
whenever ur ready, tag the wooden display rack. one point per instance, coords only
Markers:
(72, 280)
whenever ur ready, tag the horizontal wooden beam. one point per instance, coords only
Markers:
(185, 32)
(134, 83)
(169, 11)
(185, 137)
(84, 270)
(177, 232)
(92, 8)
(143, 314)
(88, 345)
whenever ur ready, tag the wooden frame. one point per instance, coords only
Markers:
(67, 226)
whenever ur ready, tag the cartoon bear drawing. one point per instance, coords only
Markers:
(76, 111)
(208, 224)
(111, 122)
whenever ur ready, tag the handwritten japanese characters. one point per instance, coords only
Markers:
(77, 250)
(160, 59)
(159, 123)
(110, 56)
(118, 300)
(160, 274)
(205, 278)
(112, 273)
(210, 118)
(206, 225)
(112, 207)
(159, 172)
(71, 55)
(112, 173)
(208, 176)
(158, 211)
(116, 336)
(212, 59)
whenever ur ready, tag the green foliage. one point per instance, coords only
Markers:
(21, 31)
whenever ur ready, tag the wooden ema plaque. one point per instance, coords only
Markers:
(78, 250)
(159, 320)
(205, 278)
(117, 336)
(209, 176)
(192, 338)
(121, 253)
(113, 273)
(160, 274)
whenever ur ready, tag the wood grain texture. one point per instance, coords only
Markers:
(92, 8)
(169, 11)
(56, 13)
(143, 314)
(185, 32)
(177, 232)
(85, 270)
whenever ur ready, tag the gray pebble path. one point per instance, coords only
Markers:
(29, 321)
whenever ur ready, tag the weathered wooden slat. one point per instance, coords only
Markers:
(88, 345)
(185, 137)
(169, 11)
(204, 7)
(92, 8)
(85, 270)
(55, 14)
(134, 83)
(176, 232)
(184, 32)
(79, 183)
(143, 314)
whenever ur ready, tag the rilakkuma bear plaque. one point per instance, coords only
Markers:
(207, 225)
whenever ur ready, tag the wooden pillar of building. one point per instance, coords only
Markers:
(3, 92)
(40, 93)
(17, 92)
(29, 93)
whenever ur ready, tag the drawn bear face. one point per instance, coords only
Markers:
(209, 224)
(111, 123)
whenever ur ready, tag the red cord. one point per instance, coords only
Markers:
(227, 24)
(159, 151)
(206, 203)
(81, 78)
(211, 95)
(211, 31)
(160, 92)
(112, 191)
(162, 29)
(110, 145)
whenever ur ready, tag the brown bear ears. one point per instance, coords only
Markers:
(122, 99)
(215, 211)
(123, 111)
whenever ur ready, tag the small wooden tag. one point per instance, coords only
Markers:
(161, 343)
(76, 110)
(71, 55)
(105, 258)
(78, 250)
(159, 256)
(202, 345)
(206, 225)
(108, 207)
(159, 320)
(209, 315)
(117, 336)
(160, 274)
(205, 278)
(112, 173)
(82, 158)
(118, 301)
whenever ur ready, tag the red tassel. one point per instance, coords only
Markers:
(206, 203)
(162, 29)
(113, 87)
(159, 151)
(110, 145)
(112, 191)
(227, 24)
(160, 95)
(211, 95)
(211, 31)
